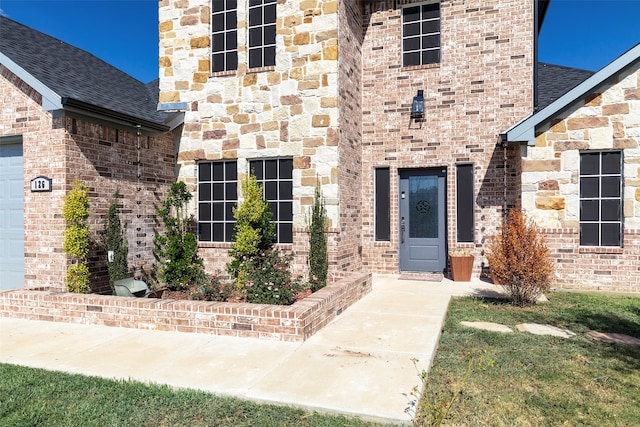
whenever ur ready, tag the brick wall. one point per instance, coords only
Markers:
(105, 159)
(608, 118)
(284, 323)
(482, 86)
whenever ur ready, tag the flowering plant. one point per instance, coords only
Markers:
(460, 252)
(267, 279)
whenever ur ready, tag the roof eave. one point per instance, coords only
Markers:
(524, 131)
(50, 99)
(75, 106)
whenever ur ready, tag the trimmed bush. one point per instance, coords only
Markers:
(254, 231)
(519, 260)
(76, 243)
(318, 256)
(177, 250)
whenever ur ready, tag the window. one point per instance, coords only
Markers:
(382, 204)
(217, 196)
(421, 34)
(464, 202)
(224, 35)
(601, 198)
(262, 33)
(276, 176)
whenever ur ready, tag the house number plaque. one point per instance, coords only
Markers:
(40, 184)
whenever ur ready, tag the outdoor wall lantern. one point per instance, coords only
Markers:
(417, 108)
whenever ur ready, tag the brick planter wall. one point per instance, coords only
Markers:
(296, 322)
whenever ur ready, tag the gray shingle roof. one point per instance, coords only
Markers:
(556, 80)
(73, 73)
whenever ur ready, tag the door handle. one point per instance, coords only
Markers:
(402, 227)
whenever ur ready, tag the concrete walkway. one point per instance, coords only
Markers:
(360, 364)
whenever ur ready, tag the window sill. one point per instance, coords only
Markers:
(261, 69)
(223, 73)
(214, 245)
(421, 67)
(614, 250)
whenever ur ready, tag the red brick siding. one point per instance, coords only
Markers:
(483, 85)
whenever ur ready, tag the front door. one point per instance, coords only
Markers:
(422, 220)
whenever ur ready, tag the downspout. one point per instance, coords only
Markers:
(536, 32)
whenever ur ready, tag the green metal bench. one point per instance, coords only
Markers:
(130, 287)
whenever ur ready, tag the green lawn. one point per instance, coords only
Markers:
(35, 397)
(543, 380)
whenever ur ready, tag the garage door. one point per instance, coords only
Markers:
(11, 214)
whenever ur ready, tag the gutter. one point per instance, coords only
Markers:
(82, 108)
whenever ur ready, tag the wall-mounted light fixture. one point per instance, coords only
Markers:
(417, 108)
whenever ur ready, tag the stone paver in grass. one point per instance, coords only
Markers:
(487, 326)
(538, 329)
(614, 338)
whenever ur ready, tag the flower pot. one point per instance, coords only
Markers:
(461, 268)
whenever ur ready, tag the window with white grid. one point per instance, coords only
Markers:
(262, 33)
(224, 35)
(276, 177)
(421, 34)
(601, 198)
(217, 196)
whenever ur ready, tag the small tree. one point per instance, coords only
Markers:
(76, 244)
(519, 260)
(254, 231)
(177, 249)
(114, 239)
(318, 256)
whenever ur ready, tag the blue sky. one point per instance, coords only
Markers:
(584, 34)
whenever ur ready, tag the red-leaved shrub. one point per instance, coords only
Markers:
(519, 259)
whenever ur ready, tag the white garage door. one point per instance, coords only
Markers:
(11, 214)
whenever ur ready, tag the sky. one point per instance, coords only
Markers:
(585, 34)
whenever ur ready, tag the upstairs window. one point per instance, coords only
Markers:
(276, 177)
(217, 196)
(224, 35)
(421, 34)
(262, 33)
(601, 198)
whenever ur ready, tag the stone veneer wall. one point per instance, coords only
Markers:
(296, 322)
(288, 110)
(606, 119)
(482, 86)
(104, 158)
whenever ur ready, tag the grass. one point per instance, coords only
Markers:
(35, 397)
(543, 380)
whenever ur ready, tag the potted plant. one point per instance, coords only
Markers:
(461, 264)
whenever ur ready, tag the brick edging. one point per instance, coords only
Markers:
(296, 322)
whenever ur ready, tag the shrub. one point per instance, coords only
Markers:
(114, 238)
(212, 290)
(318, 257)
(519, 260)
(77, 279)
(254, 231)
(76, 243)
(177, 250)
(268, 279)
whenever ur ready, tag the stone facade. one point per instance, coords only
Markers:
(608, 118)
(292, 109)
(104, 158)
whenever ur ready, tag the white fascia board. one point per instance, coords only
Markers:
(50, 100)
(524, 131)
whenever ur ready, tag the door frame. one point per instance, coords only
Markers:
(441, 173)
